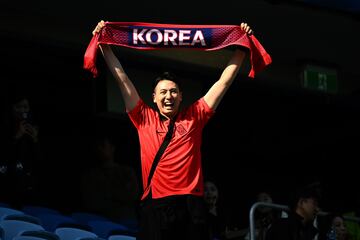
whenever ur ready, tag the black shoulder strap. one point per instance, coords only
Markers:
(161, 150)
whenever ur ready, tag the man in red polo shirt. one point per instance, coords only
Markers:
(173, 200)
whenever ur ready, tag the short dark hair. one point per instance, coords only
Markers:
(312, 190)
(167, 76)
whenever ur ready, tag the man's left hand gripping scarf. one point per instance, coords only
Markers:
(152, 36)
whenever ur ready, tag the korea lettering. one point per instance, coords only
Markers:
(170, 37)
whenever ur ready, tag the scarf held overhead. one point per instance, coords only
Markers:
(152, 36)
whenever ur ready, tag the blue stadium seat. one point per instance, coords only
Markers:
(26, 238)
(105, 228)
(85, 217)
(1, 233)
(23, 217)
(91, 238)
(36, 210)
(69, 233)
(43, 234)
(121, 237)
(6, 211)
(14, 214)
(13, 228)
(130, 223)
(52, 221)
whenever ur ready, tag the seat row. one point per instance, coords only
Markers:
(46, 223)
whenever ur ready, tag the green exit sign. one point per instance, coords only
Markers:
(320, 79)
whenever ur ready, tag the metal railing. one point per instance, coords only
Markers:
(284, 208)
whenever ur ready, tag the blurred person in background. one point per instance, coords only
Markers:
(21, 155)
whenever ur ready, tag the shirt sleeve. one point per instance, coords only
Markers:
(135, 114)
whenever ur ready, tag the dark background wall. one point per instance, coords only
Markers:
(269, 132)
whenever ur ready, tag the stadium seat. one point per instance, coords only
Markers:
(121, 237)
(13, 228)
(1, 233)
(85, 217)
(6, 211)
(105, 228)
(26, 238)
(23, 217)
(69, 233)
(36, 210)
(43, 234)
(52, 221)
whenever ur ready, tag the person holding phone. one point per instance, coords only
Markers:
(21, 153)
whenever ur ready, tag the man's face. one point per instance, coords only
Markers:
(308, 208)
(167, 97)
(264, 197)
(21, 108)
(210, 193)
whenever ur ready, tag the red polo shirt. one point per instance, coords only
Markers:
(179, 170)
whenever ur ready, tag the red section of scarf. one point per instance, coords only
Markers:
(117, 33)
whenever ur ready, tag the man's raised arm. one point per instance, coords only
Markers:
(128, 90)
(218, 89)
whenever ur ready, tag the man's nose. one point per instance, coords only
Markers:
(168, 95)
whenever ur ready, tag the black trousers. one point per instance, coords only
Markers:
(180, 217)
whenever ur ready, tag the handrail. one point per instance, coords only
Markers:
(252, 213)
(284, 208)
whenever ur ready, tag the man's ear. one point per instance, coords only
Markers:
(180, 96)
(300, 201)
(153, 97)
